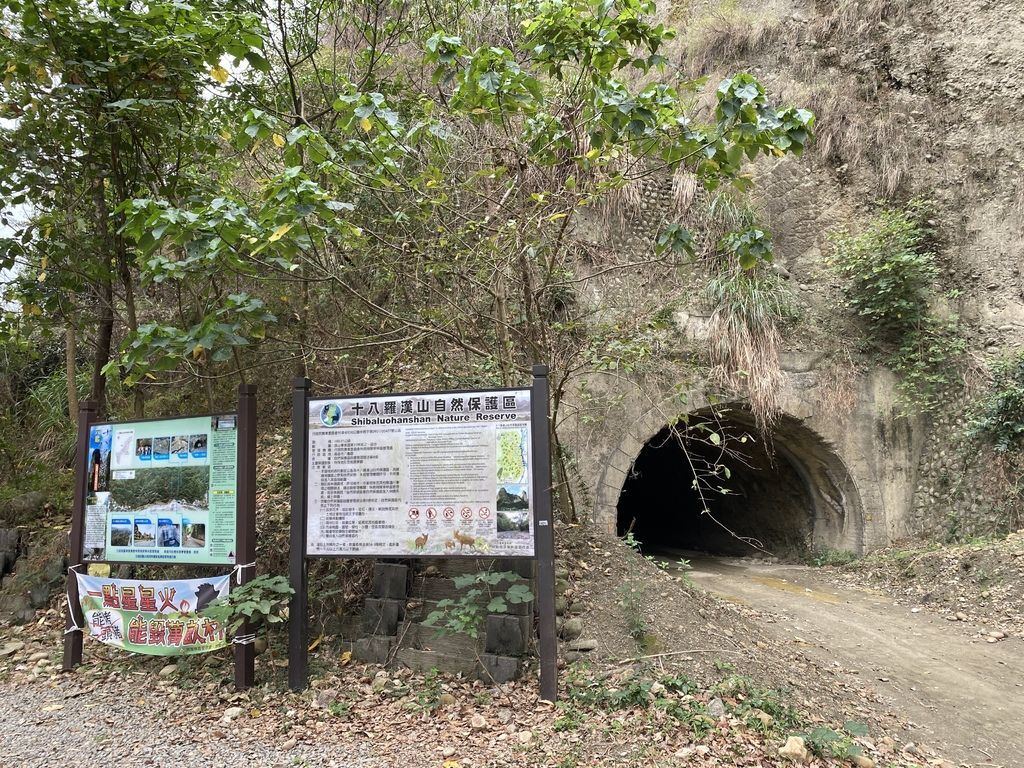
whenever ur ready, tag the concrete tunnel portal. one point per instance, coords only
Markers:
(787, 496)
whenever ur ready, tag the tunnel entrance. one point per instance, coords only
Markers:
(714, 485)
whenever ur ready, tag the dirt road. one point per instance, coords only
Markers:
(966, 695)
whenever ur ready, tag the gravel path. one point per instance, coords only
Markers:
(962, 691)
(130, 724)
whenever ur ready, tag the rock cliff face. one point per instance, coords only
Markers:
(913, 99)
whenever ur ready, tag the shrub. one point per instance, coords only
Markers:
(1000, 419)
(890, 269)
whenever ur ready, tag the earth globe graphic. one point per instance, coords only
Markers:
(330, 414)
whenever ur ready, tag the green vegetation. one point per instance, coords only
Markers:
(261, 601)
(678, 698)
(215, 193)
(1000, 414)
(835, 557)
(827, 742)
(890, 271)
(486, 593)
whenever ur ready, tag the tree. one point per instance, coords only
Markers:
(107, 101)
(398, 192)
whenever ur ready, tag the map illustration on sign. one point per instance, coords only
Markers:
(426, 474)
(162, 491)
(512, 454)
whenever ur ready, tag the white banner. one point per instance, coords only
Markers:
(154, 617)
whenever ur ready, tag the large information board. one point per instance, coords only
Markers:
(162, 491)
(447, 473)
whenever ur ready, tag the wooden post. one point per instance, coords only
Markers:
(245, 524)
(298, 661)
(544, 535)
(75, 618)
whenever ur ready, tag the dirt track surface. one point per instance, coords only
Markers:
(965, 694)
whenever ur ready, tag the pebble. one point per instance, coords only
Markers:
(232, 713)
(794, 749)
(170, 669)
(12, 647)
(716, 708)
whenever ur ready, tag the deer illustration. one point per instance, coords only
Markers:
(463, 540)
(421, 541)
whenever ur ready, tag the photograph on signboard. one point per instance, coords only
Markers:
(162, 490)
(427, 474)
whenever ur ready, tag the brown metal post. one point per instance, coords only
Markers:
(544, 535)
(73, 637)
(245, 524)
(298, 660)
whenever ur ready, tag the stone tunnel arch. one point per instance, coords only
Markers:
(792, 493)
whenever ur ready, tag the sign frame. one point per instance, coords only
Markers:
(245, 527)
(543, 533)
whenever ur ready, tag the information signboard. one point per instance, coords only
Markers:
(447, 473)
(162, 491)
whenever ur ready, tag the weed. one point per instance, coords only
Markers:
(827, 742)
(340, 708)
(1000, 414)
(835, 557)
(466, 613)
(428, 698)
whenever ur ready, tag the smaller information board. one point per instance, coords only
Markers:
(162, 491)
(447, 473)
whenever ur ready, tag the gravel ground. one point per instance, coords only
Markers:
(117, 724)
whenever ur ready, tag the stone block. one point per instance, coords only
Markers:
(373, 650)
(520, 609)
(507, 635)
(499, 669)
(390, 580)
(381, 616)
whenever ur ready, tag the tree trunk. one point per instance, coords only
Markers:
(71, 365)
(105, 323)
(104, 334)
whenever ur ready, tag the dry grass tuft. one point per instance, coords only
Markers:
(744, 330)
(729, 36)
(837, 387)
(838, 128)
(893, 155)
(684, 190)
(857, 20)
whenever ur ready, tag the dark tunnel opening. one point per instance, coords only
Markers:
(768, 508)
